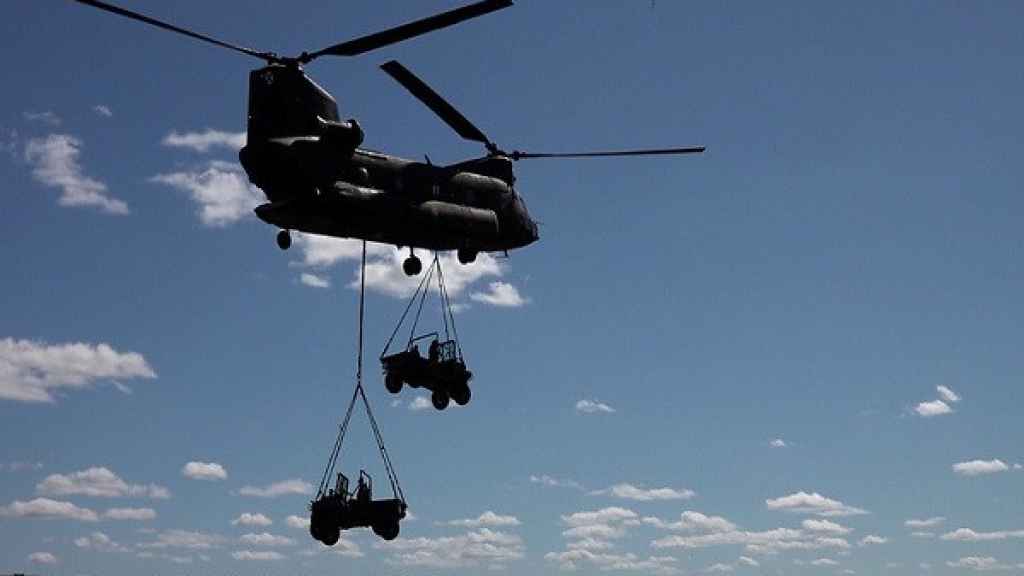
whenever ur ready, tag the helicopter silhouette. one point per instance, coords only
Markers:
(308, 163)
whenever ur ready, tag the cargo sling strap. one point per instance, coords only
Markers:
(447, 316)
(358, 394)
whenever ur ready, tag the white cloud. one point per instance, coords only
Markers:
(99, 542)
(872, 539)
(690, 521)
(130, 514)
(825, 526)
(46, 117)
(285, 487)
(979, 564)
(813, 503)
(763, 542)
(294, 521)
(419, 403)
(968, 535)
(48, 509)
(602, 516)
(589, 544)
(488, 518)
(718, 568)
(926, 523)
(202, 142)
(102, 110)
(221, 190)
(253, 519)
(640, 494)
(922, 534)
(34, 371)
(17, 466)
(184, 539)
(54, 160)
(97, 482)
(947, 394)
(777, 443)
(553, 482)
(933, 408)
(384, 272)
(979, 467)
(314, 281)
(606, 561)
(265, 539)
(593, 407)
(42, 558)
(262, 555)
(204, 471)
(500, 294)
(824, 562)
(469, 549)
(749, 561)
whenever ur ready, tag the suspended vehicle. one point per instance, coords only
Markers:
(443, 370)
(317, 179)
(341, 510)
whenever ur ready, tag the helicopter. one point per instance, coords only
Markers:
(316, 178)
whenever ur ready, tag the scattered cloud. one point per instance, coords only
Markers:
(54, 161)
(48, 509)
(777, 443)
(980, 467)
(824, 562)
(138, 514)
(553, 482)
(979, 564)
(204, 471)
(33, 371)
(102, 110)
(260, 556)
(947, 394)
(42, 558)
(17, 466)
(968, 535)
(469, 549)
(488, 518)
(690, 521)
(97, 482)
(640, 494)
(314, 281)
(99, 542)
(813, 503)
(184, 539)
(933, 408)
(872, 539)
(297, 522)
(824, 526)
(922, 534)
(756, 542)
(203, 141)
(285, 487)
(265, 539)
(593, 407)
(46, 117)
(718, 568)
(221, 189)
(926, 523)
(571, 560)
(254, 519)
(747, 561)
(419, 403)
(500, 294)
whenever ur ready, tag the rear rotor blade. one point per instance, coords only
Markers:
(435, 102)
(517, 155)
(268, 56)
(409, 30)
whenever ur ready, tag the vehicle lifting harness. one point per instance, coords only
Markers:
(447, 317)
(359, 393)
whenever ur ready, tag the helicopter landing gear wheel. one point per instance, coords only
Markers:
(439, 399)
(412, 266)
(284, 240)
(466, 256)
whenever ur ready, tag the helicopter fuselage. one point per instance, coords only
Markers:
(316, 179)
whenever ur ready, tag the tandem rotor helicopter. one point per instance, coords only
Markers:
(308, 163)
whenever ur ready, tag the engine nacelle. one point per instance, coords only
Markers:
(341, 135)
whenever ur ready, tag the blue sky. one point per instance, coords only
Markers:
(796, 354)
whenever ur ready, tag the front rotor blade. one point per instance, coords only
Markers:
(434, 101)
(409, 30)
(651, 152)
(154, 22)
